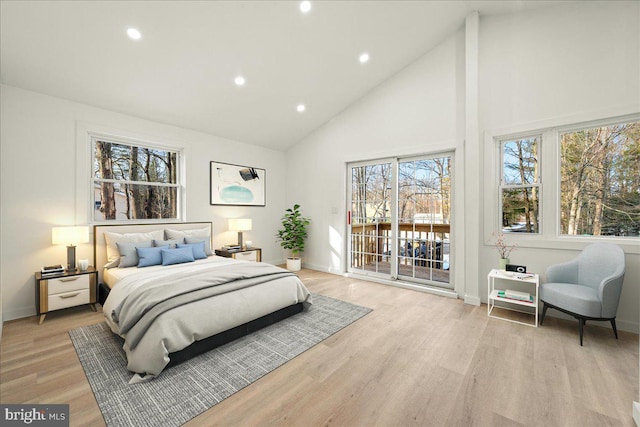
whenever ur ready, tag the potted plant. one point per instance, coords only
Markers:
(293, 234)
(504, 250)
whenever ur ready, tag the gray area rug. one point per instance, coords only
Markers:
(186, 390)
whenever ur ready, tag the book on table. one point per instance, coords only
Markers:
(52, 269)
(515, 295)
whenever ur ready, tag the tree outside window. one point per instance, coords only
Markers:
(520, 185)
(133, 182)
(600, 181)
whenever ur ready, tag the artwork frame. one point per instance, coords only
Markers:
(237, 185)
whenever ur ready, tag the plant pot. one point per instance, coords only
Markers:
(503, 263)
(293, 264)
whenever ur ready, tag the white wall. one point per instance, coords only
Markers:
(546, 67)
(415, 112)
(554, 67)
(38, 178)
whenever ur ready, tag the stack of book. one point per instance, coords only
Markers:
(52, 269)
(231, 248)
(515, 295)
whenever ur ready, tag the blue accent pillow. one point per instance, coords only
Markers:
(150, 256)
(207, 243)
(198, 249)
(177, 256)
(128, 253)
(172, 243)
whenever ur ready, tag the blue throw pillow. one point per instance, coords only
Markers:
(150, 256)
(198, 249)
(128, 254)
(177, 256)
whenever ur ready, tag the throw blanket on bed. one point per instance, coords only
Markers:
(135, 314)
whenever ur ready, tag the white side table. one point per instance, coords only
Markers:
(532, 281)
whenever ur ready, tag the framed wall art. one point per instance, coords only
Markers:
(235, 185)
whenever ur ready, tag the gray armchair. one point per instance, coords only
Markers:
(588, 287)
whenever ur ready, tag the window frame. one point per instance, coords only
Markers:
(550, 129)
(86, 134)
(558, 148)
(537, 180)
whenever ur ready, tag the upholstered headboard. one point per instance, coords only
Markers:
(100, 246)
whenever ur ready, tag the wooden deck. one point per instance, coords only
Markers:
(371, 243)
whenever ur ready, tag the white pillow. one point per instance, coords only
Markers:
(113, 254)
(200, 233)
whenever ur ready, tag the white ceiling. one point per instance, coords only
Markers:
(181, 72)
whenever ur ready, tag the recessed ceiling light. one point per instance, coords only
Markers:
(364, 57)
(300, 108)
(134, 34)
(305, 6)
(239, 81)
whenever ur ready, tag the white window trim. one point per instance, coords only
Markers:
(538, 184)
(85, 135)
(549, 236)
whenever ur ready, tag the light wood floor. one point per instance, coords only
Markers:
(417, 359)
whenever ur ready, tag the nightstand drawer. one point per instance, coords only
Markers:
(68, 299)
(247, 256)
(67, 284)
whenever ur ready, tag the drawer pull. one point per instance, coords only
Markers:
(69, 279)
(69, 296)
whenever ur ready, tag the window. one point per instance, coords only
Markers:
(600, 180)
(520, 185)
(133, 182)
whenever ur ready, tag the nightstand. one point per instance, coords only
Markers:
(64, 290)
(251, 254)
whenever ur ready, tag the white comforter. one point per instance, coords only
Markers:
(178, 328)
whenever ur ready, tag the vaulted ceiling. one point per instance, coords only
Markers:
(182, 70)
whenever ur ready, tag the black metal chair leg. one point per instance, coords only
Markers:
(613, 325)
(581, 326)
(544, 311)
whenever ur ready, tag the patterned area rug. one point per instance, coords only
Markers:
(186, 390)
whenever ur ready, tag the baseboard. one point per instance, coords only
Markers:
(18, 313)
(473, 300)
(322, 268)
(275, 262)
(621, 325)
(625, 325)
(636, 413)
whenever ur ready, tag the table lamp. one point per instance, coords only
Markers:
(70, 236)
(240, 225)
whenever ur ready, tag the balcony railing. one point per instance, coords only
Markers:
(419, 244)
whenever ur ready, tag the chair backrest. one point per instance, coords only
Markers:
(598, 261)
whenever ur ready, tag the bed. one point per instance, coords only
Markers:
(170, 313)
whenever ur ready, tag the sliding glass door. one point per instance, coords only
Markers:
(370, 218)
(424, 213)
(400, 219)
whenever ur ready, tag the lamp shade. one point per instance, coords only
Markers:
(69, 235)
(240, 224)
